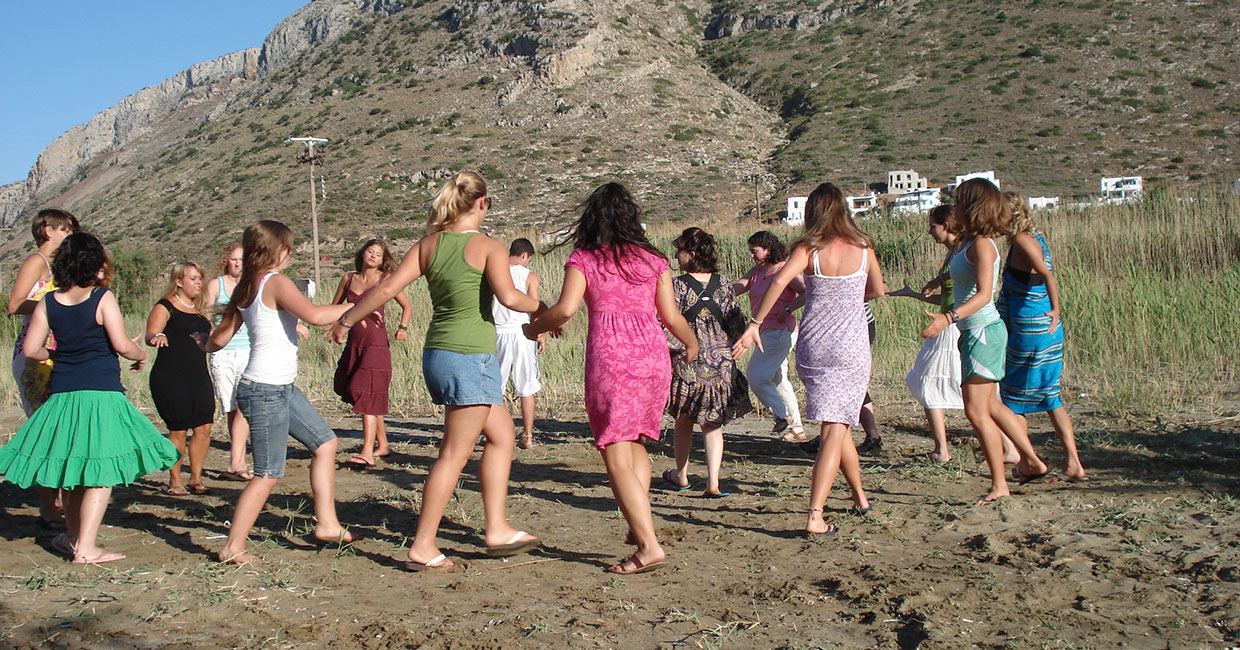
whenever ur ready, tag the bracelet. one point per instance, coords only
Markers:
(159, 334)
(402, 327)
(953, 316)
(754, 321)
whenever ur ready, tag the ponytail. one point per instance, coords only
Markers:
(454, 199)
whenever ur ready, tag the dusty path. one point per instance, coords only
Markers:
(1143, 555)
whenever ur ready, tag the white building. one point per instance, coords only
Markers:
(904, 180)
(988, 175)
(1120, 189)
(795, 215)
(1043, 202)
(917, 201)
(861, 203)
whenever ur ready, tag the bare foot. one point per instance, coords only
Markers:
(383, 451)
(98, 557)
(1011, 459)
(240, 557)
(940, 457)
(992, 496)
(342, 536)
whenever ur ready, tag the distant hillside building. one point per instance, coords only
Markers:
(988, 175)
(859, 204)
(795, 215)
(917, 201)
(1043, 202)
(1120, 189)
(904, 180)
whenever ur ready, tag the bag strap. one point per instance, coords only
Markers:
(704, 298)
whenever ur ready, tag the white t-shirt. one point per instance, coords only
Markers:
(508, 321)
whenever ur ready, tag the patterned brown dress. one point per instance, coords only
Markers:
(704, 388)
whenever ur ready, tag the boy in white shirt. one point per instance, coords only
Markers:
(518, 356)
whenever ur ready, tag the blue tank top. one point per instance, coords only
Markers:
(240, 340)
(84, 358)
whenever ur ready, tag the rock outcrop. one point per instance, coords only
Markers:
(69, 156)
(725, 25)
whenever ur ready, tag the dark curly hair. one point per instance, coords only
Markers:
(610, 223)
(701, 245)
(777, 251)
(78, 260)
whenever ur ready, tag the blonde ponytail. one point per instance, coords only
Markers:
(454, 199)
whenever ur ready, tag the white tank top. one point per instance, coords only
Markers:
(508, 321)
(273, 341)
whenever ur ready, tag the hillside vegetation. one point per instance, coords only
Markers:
(687, 102)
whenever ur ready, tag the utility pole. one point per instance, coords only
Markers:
(314, 215)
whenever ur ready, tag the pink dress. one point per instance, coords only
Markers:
(628, 367)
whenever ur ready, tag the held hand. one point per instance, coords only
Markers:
(691, 350)
(750, 337)
(401, 334)
(542, 342)
(159, 340)
(526, 329)
(136, 366)
(904, 291)
(933, 284)
(303, 331)
(1054, 314)
(336, 333)
(199, 338)
(938, 323)
(542, 307)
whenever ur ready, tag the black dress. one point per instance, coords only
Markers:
(180, 382)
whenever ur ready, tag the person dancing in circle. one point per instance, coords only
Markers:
(87, 438)
(364, 372)
(979, 216)
(833, 352)
(1029, 306)
(228, 363)
(180, 381)
(627, 286)
(767, 371)
(463, 270)
(935, 377)
(269, 305)
(34, 280)
(703, 392)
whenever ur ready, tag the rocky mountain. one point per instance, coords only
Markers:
(697, 105)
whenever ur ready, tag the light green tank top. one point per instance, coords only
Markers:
(461, 321)
(964, 278)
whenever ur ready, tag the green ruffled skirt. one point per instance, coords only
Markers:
(85, 438)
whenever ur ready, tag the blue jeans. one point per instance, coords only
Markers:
(275, 412)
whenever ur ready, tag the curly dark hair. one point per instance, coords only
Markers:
(777, 251)
(78, 260)
(701, 245)
(611, 223)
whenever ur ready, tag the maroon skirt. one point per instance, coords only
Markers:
(364, 371)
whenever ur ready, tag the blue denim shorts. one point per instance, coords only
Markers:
(457, 379)
(275, 412)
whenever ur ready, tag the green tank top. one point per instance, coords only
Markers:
(945, 292)
(461, 321)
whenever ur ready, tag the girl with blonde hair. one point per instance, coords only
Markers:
(180, 382)
(979, 217)
(833, 350)
(1029, 306)
(464, 269)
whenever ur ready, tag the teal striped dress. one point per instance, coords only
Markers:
(1034, 356)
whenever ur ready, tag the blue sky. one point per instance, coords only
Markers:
(62, 62)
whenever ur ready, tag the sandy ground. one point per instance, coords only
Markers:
(1144, 555)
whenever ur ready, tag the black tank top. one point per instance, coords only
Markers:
(84, 358)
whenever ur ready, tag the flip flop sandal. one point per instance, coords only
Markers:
(438, 564)
(175, 491)
(638, 567)
(515, 545)
(199, 489)
(668, 477)
(239, 476)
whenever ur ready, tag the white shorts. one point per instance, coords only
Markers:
(226, 369)
(518, 358)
